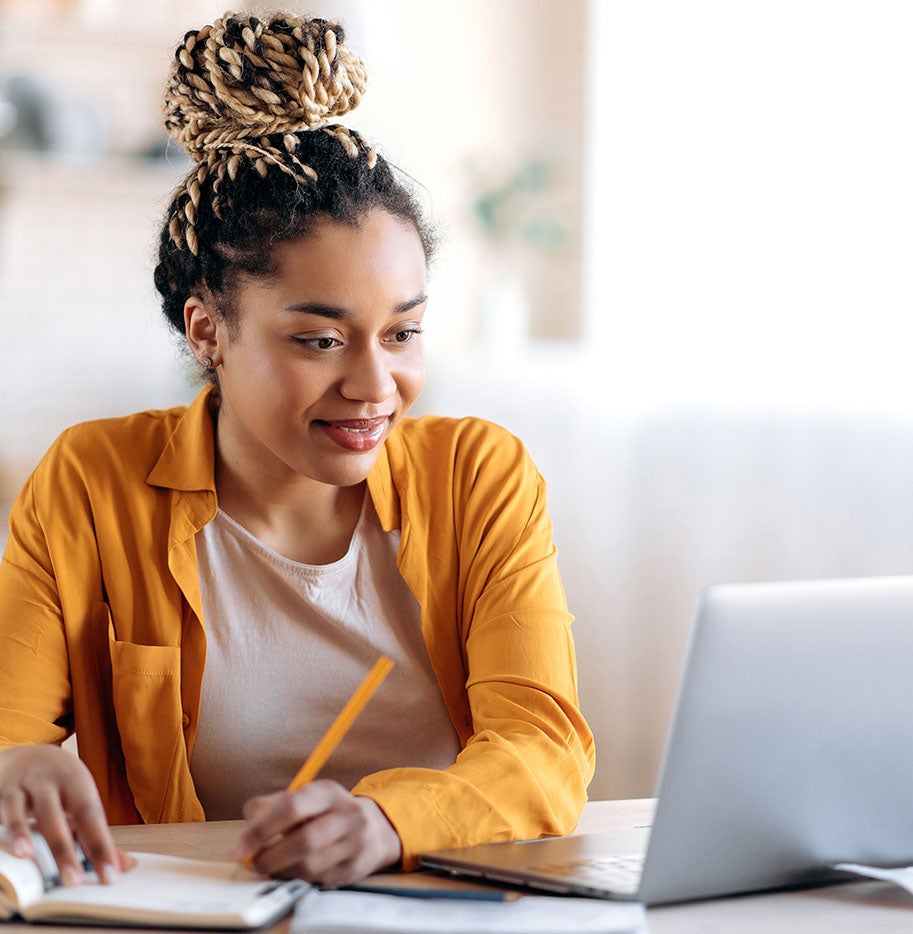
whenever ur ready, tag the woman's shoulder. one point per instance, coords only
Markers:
(126, 444)
(137, 427)
(454, 440)
(468, 468)
(471, 456)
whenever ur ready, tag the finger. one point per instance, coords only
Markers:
(345, 872)
(126, 861)
(362, 851)
(91, 827)
(123, 862)
(311, 849)
(270, 816)
(51, 820)
(313, 865)
(14, 816)
(258, 815)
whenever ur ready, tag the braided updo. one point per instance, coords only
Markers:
(251, 101)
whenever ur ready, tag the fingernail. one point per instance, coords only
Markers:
(108, 874)
(237, 850)
(71, 875)
(22, 847)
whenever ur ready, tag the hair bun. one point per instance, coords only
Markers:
(246, 77)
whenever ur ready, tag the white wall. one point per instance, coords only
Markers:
(750, 199)
(741, 407)
(749, 297)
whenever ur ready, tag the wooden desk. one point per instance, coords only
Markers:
(855, 907)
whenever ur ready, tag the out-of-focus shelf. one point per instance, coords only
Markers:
(137, 24)
(95, 225)
(111, 175)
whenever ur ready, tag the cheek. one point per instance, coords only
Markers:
(297, 389)
(275, 383)
(290, 374)
(413, 380)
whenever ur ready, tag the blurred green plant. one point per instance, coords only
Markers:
(513, 210)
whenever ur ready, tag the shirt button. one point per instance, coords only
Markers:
(186, 719)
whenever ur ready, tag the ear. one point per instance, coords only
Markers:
(202, 325)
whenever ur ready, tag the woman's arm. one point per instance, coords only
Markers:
(528, 754)
(38, 779)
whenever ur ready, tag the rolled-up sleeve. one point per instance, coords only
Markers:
(528, 753)
(35, 696)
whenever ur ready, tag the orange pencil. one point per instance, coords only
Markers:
(340, 726)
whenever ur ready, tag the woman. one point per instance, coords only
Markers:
(286, 528)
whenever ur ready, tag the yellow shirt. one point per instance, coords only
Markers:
(101, 623)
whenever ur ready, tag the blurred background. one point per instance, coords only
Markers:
(676, 262)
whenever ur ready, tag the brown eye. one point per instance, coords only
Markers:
(317, 343)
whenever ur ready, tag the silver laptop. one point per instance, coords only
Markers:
(791, 748)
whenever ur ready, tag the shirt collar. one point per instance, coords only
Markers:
(187, 462)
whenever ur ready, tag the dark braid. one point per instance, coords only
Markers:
(249, 100)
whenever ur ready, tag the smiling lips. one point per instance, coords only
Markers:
(356, 434)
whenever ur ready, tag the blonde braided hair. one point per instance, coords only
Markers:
(244, 89)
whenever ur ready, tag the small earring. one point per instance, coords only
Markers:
(206, 362)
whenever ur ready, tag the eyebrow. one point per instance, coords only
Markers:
(336, 313)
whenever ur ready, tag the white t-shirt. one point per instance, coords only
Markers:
(287, 645)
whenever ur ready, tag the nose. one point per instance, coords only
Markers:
(369, 376)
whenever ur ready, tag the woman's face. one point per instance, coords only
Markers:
(326, 357)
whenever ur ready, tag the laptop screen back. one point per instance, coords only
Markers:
(792, 739)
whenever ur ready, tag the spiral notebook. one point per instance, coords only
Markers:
(161, 891)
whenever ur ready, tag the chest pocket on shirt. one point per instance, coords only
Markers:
(146, 692)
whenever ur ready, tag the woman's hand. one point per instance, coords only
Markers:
(55, 788)
(320, 833)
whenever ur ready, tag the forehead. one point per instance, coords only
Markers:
(380, 249)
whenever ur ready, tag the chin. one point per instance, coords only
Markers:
(347, 474)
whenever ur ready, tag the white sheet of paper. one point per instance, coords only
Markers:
(902, 876)
(326, 912)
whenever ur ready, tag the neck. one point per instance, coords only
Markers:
(299, 518)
